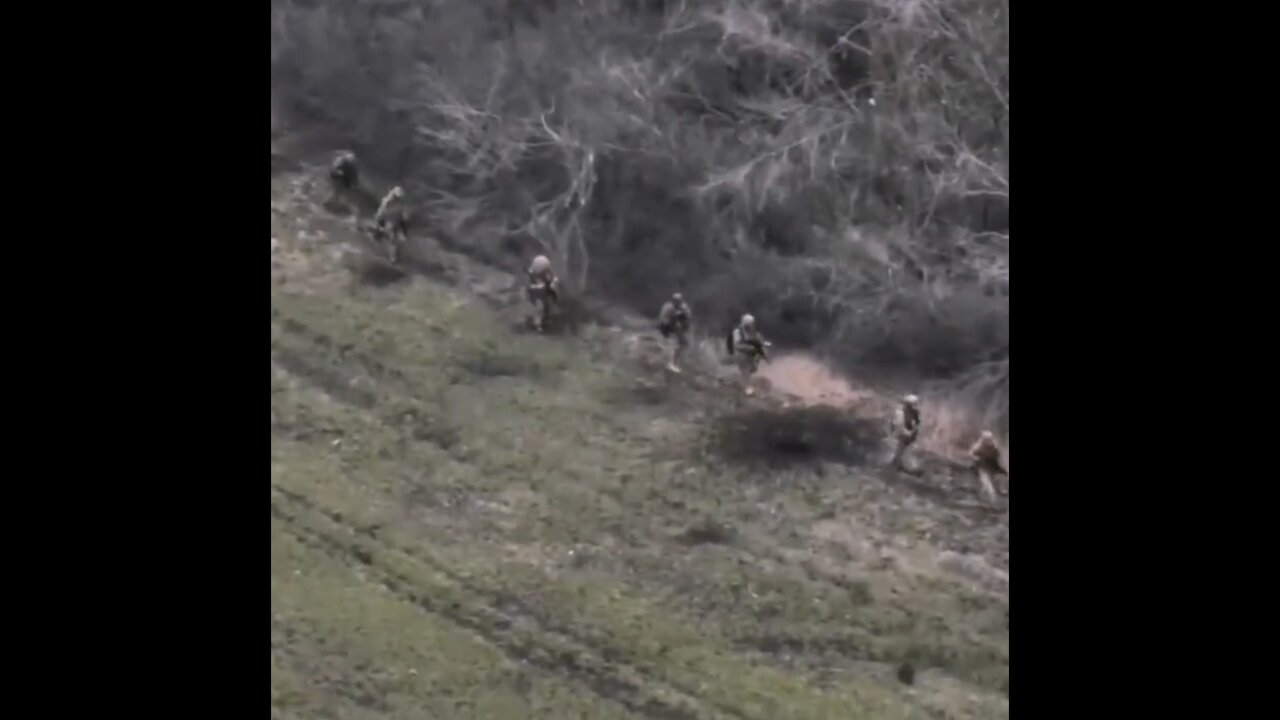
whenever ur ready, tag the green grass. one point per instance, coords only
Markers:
(340, 644)
(484, 508)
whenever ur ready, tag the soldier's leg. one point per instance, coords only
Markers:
(386, 240)
(895, 461)
(747, 367)
(985, 486)
(546, 312)
(402, 230)
(677, 349)
(531, 295)
(335, 195)
(900, 457)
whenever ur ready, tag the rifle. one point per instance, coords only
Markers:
(679, 322)
(538, 284)
(759, 347)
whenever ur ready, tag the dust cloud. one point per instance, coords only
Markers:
(804, 379)
(801, 379)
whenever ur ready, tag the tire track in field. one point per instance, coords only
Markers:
(323, 378)
(510, 626)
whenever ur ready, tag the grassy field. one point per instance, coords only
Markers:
(470, 521)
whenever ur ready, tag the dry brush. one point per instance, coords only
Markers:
(839, 168)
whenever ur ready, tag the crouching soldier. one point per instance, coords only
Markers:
(986, 463)
(542, 291)
(905, 429)
(747, 347)
(674, 321)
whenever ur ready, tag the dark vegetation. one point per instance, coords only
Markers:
(798, 435)
(839, 168)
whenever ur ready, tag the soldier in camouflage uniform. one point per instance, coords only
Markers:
(986, 463)
(747, 347)
(905, 429)
(542, 291)
(389, 223)
(674, 321)
(344, 175)
(390, 213)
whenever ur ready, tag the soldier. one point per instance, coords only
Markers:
(344, 176)
(675, 319)
(390, 213)
(543, 290)
(343, 172)
(905, 429)
(389, 223)
(747, 347)
(986, 462)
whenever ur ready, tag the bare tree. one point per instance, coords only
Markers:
(842, 164)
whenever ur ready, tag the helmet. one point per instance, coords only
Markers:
(677, 297)
(540, 264)
(912, 400)
(988, 435)
(748, 320)
(396, 192)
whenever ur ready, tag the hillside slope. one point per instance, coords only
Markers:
(838, 166)
(470, 521)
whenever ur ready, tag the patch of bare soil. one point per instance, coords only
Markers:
(948, 426)
(805, 380)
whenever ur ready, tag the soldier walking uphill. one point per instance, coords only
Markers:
(986, 462)
(542, 291)
(389, 223)
(747, 347)
(674, 320)
(905, 429)
(344, 175)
